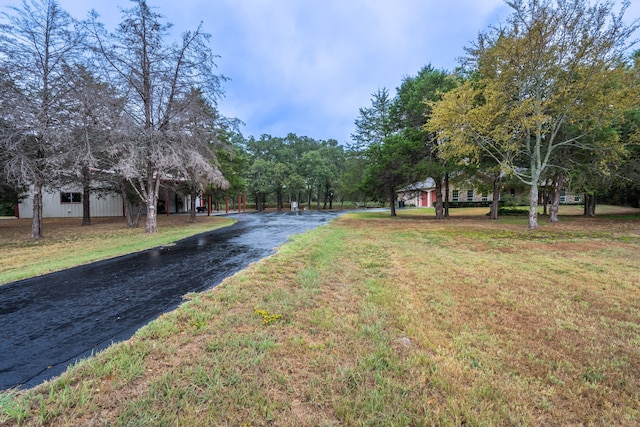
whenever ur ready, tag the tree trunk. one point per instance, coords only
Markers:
(558, 185)
(495, 202)
(555, 207)
(279, 199)
(86, 192)
(590, 204)
(192, 204)
(533, 206)
(152, 191)
(135, 221)
(446, 194)
(259, 206)
(36, 223)
(439, 208)
(128, 207)
(152, 214)
(392, 200)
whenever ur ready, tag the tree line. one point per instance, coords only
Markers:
(131, 110)
(549, 99)
(128, 109)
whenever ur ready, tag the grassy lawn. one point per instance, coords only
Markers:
(67, 243)
(382, 321)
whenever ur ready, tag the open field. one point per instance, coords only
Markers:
(67, 243)
(380, 321)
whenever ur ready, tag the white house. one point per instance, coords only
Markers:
(423, 194)
(67, 203)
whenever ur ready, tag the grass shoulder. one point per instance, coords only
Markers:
(68, 244)
(373, 320)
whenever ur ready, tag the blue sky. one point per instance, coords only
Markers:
(307, 66)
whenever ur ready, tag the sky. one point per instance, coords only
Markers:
(307, 66)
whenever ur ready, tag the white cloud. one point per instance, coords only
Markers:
(321, 60)
(307, 66)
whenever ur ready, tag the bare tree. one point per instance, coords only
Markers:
(156, 77)
(37, 40)
(92, 113)
(198, 128)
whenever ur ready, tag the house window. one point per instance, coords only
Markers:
(455, 196)
(67, 197)
(469, 195)
(563, 196)
(485, 197)
(576, 198)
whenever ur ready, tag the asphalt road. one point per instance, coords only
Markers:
(51, 321)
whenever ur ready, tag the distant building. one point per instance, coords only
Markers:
(423, 194)
(67, 203)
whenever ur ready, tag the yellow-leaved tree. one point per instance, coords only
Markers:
(548, 79)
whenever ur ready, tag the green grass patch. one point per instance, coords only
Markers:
(373, 321)
(68, 244)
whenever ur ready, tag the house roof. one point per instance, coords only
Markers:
(422, 185)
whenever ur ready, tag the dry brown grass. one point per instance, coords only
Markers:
(404, 321)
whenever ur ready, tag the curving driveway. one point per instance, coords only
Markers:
(49, 322)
